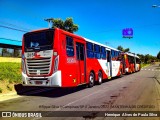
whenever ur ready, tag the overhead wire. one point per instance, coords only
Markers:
(13, 25)
(10, 39)
(18, 9)
(3, 26)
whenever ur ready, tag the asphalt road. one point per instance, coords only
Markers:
(139, 91)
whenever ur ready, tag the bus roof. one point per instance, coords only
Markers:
(100, 44)
(131, 54)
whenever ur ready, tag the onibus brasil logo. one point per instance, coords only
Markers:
(127, 33)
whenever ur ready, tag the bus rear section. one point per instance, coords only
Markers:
(53, 58)
(131, 62)
(40, 59)
(137, 63)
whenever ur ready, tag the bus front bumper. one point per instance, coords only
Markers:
(51, 81)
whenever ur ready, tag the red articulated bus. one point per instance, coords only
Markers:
(131, 62)
(56, 58)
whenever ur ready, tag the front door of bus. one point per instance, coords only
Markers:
(81, 62)
(109, 61)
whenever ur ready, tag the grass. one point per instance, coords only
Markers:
(10, 71)
(10, 74)
(6, 87)
(9, 87)
(144, 65)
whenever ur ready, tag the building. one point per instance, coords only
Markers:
(10, 44)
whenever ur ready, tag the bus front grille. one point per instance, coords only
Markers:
(39, 66)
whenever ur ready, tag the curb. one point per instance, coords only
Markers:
(9, 96)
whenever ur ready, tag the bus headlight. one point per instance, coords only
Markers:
(56, 61)
(23, 67)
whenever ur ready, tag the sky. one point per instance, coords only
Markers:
(99, 20)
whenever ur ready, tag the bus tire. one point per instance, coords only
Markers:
(91, 79)
(100, 78)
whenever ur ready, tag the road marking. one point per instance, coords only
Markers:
(74, 102)
(151, 69)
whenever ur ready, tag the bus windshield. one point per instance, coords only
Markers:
(42, 40)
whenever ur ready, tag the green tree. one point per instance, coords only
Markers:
(5, 52)
(141, 56)
(158, 55)
(122, 49)
(16, 53)
(126, 50)
(66, 25)
(147, 58)
(57, 23)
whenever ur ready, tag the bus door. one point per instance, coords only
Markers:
(80, 52)
(109, 62)
(124, 63)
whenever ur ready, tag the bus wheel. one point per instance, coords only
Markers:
(99, 77)
(91, 79)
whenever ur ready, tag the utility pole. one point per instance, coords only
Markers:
(49, 20)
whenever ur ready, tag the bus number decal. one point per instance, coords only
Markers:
(71, 60)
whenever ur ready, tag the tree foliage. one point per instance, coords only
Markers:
(158, 55)
(126, 50)
(122, 49)
(5, 52)
(66, 25)
(16, 53)
(10, 53)
(147, 58)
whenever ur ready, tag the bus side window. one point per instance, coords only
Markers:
(103, 53)
(69, 46)
(90, 53)
(97, 51)
(113, 54)
(116, 52)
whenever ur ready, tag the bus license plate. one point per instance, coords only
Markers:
(38, 82)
